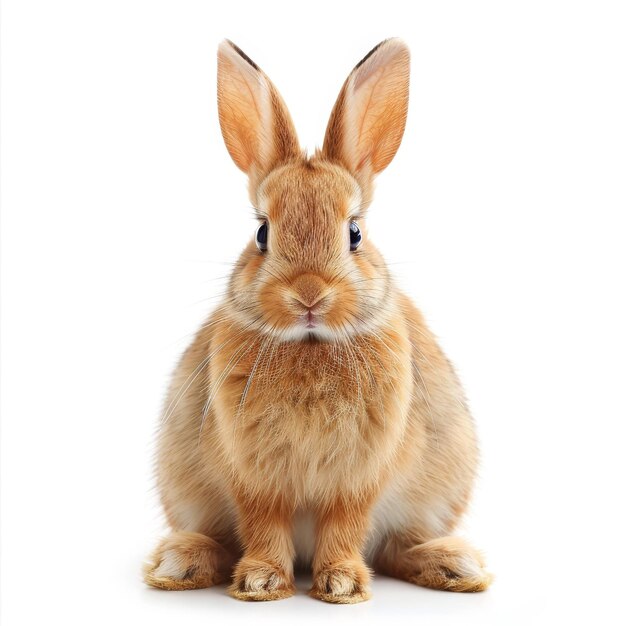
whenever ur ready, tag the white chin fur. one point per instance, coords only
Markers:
(301, 333)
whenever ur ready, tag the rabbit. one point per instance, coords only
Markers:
(314, 422)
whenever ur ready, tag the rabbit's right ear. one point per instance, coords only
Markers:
(255, 122)
(367, 122)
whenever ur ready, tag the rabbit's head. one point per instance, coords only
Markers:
(310, 272)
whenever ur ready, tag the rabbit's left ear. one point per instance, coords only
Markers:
(367, 122)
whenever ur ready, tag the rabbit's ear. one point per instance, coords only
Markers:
(255, 122)
(367, 122)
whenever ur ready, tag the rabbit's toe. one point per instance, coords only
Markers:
(259, 581)
(345, 583)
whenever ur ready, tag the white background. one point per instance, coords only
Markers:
(502, 215)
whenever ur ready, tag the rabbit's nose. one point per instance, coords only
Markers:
(309, 290)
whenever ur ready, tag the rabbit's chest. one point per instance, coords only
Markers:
(307, 420)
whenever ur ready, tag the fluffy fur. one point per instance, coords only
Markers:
(314, 419)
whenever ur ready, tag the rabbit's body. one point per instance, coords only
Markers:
(314, 417)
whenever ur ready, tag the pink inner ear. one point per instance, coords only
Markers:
(366, 71)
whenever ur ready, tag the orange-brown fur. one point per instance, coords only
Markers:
(360, 422)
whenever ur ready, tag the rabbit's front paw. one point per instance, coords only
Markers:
(342, 583)
(259, 581)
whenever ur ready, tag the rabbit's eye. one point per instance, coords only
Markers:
(261, 237)
(355, 236)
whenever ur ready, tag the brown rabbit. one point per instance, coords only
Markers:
(314, 419)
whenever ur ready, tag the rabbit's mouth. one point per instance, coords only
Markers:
(311, 319)
(309, 327)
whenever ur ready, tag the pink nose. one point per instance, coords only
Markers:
(309, 290)
(308, 304)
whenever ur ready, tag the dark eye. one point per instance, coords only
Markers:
(261, 237)
(355, 236)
